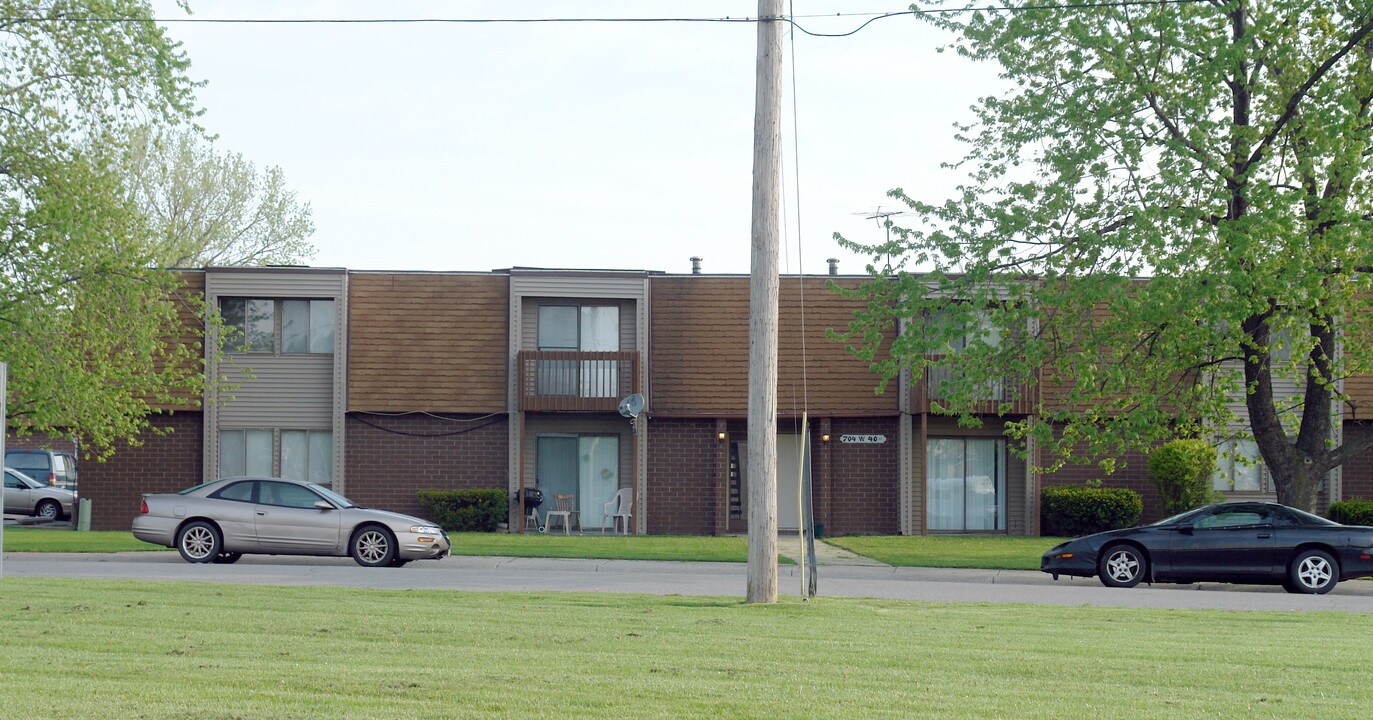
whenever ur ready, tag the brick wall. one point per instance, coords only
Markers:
(390, 458)
(683, 457)
(1132, 472)
(864, 481)
(1358, 472)
(162, 463)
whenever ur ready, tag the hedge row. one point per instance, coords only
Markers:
(1072, 510)
(466, 510)
(1352, 512)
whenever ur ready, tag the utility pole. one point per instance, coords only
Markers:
(762, 310)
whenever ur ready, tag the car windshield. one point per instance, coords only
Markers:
(334, 497)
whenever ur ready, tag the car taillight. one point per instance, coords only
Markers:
(52, 478)
(143, 507)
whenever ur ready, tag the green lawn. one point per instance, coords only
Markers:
(999, 552)
(21, 539)
(727, 548)
(553, 545)
(80, 649)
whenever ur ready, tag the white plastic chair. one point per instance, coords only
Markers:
(564, 506)
(619, 508)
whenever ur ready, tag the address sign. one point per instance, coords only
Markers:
(862, 439)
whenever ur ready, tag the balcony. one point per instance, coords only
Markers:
(572, 381)
(1006, 396)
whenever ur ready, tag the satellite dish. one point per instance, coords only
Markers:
(631, 406)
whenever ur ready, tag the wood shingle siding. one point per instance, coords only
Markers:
(1359, 392)
(699, 350)
(189, 333)
(427, 342)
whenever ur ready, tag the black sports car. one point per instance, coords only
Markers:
(1238, 542)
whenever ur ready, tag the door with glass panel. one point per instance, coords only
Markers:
(585, 328)
(587, 466)
(965, 484)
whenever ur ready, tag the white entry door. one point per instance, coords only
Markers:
(789, 468)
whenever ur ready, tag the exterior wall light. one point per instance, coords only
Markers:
(825, 437)
(721, 436)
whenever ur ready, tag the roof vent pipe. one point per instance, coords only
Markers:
(696, 265)
(834, 265)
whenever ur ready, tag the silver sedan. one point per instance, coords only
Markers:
(27, 496)
(222, 520)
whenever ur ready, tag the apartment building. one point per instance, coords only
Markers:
(382, 384)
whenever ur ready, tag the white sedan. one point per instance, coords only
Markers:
(222, 520)
(24, 495)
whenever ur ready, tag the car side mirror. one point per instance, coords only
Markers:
(1184, 529)
(321, 505)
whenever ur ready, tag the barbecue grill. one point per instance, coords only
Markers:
(533, 498)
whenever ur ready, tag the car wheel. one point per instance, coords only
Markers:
(227, 558)
(198, 542)
(1122, 566)
(48, 510)
(373, 546)
(1313, 572)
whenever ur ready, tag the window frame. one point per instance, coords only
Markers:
(580, 309)
(1229, 466)
(277, 445)
(235, 332)
(1000, 483)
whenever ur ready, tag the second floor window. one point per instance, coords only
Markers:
(260, 325)
(579, 328)
(588, 328)
(979, 325)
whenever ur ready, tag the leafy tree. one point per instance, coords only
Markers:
(208, 208)
(1181, 471)
(1219, 148)
(86, 320)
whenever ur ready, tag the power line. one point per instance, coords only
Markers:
(792, 20)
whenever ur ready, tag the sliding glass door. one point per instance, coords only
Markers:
(966, 484)
(585, 466)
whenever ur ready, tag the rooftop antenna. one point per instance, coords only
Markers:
(883, 218)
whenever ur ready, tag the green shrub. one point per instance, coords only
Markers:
(1352, 512)
(1071, 510)
(1181, 473)
(466, 510)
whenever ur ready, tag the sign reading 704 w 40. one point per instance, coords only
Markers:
(862, 439)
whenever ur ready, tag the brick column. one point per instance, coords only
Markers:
(823, 474)
(721, 478)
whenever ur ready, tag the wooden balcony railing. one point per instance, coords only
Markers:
(572, 381)
(1007, 396)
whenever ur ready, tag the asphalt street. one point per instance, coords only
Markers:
(483, 574)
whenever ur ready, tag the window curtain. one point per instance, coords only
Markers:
(984, 493)
(599, 473)
(966, 484)
(555, 470)
(600, 332)
(944, 468)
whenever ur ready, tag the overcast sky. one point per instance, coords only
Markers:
(576, 145)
